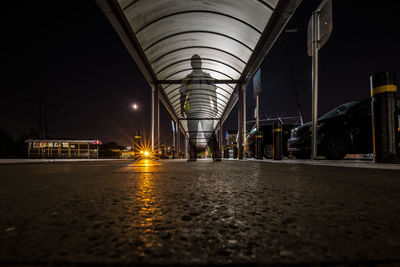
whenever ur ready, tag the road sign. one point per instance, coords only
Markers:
(257, 83)
(325, 22)
(324, 26)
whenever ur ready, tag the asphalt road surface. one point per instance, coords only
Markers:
(198, 213)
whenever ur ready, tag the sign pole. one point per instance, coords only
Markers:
(318, 32)
(315, 23)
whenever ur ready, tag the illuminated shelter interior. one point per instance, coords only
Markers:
(232, 38)
(63, 148)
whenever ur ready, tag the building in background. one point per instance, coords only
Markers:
(63, 148)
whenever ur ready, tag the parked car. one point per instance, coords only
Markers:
(345, 129)
(267, 140)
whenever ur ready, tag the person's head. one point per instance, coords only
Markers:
(196, 61)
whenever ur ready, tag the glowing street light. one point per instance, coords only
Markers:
(135, 107)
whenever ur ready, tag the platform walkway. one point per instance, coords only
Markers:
(168, 212)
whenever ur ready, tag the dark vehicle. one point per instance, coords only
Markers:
(267, 140)
(345, 129)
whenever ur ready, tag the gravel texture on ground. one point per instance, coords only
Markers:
(176, 212)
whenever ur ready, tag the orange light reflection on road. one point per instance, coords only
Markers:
(147, 201)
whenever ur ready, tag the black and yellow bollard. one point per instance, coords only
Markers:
(384, 121)
(277, 138)
(259, 144)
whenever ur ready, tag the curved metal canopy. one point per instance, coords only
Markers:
(231, 36)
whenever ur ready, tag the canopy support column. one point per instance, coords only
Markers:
(178, 139)
(220, 146)
(240, 121)
(155, 117)
(186, 147)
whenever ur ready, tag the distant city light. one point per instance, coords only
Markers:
(134, 106)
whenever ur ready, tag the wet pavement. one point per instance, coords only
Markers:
(169, 212)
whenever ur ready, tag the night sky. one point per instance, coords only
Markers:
(63, 61)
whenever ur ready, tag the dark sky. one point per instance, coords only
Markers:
(67, 55)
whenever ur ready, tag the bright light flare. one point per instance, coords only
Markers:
(135, 107)
(144, 151)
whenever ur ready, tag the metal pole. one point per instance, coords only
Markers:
(240, 122)
(220, 139)
(315, 30)
(155, 134)
(186, 147)
(244, 121)
(178, 139)
(257, 145)
(152, 116)
(257, 112)
(157, 116)
(174, 137)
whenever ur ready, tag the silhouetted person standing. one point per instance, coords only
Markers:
(194, 86)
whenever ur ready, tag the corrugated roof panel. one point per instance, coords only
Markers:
(200, 40)
(210, 63)
(143, 12)
(224, 33)
(180, 24)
